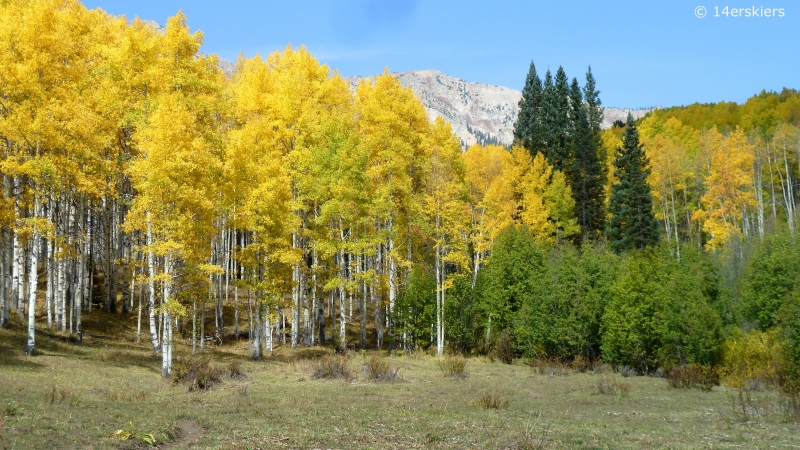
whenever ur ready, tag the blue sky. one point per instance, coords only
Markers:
(643, 53)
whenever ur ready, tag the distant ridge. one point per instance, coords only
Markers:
(479, 113)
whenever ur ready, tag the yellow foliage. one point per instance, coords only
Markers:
(754, 356)
(729, 188)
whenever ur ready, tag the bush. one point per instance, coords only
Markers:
(453, 366)
(752, 361)
(627, 371)
(235, 370)
(504, 347)
(198, 371)
(490, 401)
(379, 369)
(331, 367)
(607, 386)
(692, 376)
(659, 312)
(552, 367)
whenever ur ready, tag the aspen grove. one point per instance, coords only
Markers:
(141, 179)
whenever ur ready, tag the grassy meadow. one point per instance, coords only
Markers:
(92, 395)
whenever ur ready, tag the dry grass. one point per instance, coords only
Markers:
(331, 367)
(609, 386)
(490, 401)
(692, 376)
(453, 366)
(377, 368)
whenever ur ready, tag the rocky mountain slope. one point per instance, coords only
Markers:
(477, 112)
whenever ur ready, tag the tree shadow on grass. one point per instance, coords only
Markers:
(12, 354)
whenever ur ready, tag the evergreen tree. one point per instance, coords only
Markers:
(588, 177)
(632, 223)
(595, 114)
(593, 104)
(528, 129)
(555, 118)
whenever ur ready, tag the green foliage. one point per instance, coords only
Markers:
(528, 128)
(761, 112)
(588, 175)
(632, 223)
(508, 280)
(771, 279)
(459, 317)
(562, 312)
(659, 313)
(416, 308)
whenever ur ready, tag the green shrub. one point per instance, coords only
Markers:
(659, 313)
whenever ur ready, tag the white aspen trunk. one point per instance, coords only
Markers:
(166, 354)
(33, 282)
(256, 349)
(314, 314)
(392, 285)
(441, 314)
(758, 188)
(48, 292)
(70, 264)
(363, 305)
(295, 295)
(439, 289)
(81, 269)
(250, 320)
(109, 307)
(139, 315)
(194, 327)
(268, 329)
(152, 285)
(87, 293)
(5, 260)
(203, 324)
(772, 188)
(789, 195)
(15, 272)
(3, 269)
(342, 275)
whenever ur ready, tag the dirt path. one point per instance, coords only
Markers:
(190, 433)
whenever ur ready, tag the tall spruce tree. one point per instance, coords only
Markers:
(632, 224)
(528, 127)
(555, 118)
(588, 176)
(594, 111)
